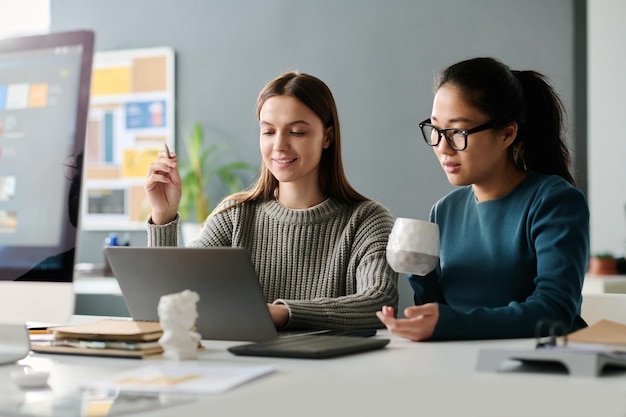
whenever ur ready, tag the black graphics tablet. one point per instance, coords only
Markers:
(310, 346)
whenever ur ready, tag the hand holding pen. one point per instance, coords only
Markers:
(167, 151)
(163, 187)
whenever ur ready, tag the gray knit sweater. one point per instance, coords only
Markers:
(327, 263)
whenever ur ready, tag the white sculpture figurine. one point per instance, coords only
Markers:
(177, 316)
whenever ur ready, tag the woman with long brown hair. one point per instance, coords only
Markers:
(318, 245)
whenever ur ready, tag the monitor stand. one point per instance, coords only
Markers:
(14, 343)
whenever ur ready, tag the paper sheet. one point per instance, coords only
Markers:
(184, 378)
(604, 332)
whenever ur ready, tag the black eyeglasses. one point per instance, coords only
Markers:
(456, 138)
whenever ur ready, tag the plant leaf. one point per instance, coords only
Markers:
(203, 168)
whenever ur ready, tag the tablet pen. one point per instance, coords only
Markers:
(167, 151)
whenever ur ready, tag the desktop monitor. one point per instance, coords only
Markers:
(44, 98)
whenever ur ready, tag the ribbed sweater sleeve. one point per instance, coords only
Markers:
(327, 263)
(163, 235)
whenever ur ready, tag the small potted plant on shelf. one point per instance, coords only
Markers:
(203, 169)
(602, 264)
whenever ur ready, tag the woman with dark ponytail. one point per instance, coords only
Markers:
(515, 235)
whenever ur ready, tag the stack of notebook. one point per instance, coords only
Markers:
(105, 337)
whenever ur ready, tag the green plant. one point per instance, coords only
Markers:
(603, 255)
(203, 169)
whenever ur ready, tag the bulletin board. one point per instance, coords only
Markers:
(131, 116)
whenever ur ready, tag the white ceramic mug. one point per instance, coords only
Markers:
(413, 246)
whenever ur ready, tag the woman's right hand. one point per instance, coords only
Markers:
(418, 325)
(164, 187)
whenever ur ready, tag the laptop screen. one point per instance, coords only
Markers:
(44, 97)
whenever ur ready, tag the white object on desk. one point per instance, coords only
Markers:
(608, 306)
(27, 377)
(578, 362)
(14, 342)
(177, 315)
(597, 284)
(184, 378)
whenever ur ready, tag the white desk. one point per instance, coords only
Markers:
(406, 378)
(599, 284)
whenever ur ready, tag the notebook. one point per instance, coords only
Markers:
(231, 305)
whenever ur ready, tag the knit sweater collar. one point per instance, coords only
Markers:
(318, 213)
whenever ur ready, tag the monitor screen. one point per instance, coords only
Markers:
(42, 131)
(44, 99)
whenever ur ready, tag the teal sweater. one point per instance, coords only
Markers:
(327, 263)
(508, 263)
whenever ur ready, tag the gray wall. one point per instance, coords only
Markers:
(607, 153)
(379, 58)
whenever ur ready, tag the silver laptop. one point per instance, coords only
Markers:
(231, 306)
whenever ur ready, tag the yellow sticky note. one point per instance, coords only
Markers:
(112, 80)
(136, 161)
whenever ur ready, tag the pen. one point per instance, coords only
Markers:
(167, 151)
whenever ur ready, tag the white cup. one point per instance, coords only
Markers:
(413, 246)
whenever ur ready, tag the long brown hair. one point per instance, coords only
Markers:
(316, 95)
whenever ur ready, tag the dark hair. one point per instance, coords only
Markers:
(316, 95)
(525, 97)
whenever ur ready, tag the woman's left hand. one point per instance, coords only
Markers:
(419, 323)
